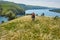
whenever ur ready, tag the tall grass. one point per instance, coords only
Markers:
(43, 28)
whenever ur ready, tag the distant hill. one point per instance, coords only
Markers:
(23, 28)
(28, 7)
(10, 7)
(55, 10)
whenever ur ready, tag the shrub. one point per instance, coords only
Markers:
(36, 14)
(42, 14)
(2, 22)
(11, 16)
(56, 17)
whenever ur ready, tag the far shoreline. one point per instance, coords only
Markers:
(55, 10)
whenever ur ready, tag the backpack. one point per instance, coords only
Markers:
(33, 15)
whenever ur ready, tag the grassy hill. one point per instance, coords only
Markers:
(23, 28)
(10, 7)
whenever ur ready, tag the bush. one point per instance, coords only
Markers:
(36, 14)
(56, 17)
(42, 14)
(2, 22)
(11, 16)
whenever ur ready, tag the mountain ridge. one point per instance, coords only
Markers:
(26, 6)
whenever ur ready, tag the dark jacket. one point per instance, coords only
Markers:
(33, 15)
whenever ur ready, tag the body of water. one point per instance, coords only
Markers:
(45, 11)
(39, 12)
(5, 19)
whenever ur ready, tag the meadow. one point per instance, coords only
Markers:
(23, 28)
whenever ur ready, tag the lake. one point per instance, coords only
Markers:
(45, 11)
(5, 19)
(39, 12)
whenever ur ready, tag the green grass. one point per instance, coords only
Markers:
(23, 28)
(10, 7)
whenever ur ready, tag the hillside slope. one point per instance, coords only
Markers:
(10, 7)
(23, 28)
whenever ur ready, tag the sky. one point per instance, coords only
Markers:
(47, 3)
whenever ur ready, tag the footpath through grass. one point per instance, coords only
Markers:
(23, 28)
